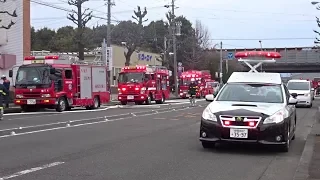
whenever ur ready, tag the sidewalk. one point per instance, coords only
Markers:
(309, 166)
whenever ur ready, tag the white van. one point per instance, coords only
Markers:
(304, 90)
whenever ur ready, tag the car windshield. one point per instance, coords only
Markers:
(33, 75)
(298, 86)
(131, 77)
(212, 84)
(267, 93)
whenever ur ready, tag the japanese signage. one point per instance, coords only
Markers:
(144, 57)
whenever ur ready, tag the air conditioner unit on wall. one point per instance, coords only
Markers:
(3, 37)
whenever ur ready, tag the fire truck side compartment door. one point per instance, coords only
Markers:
(99, 79)
(85, 82)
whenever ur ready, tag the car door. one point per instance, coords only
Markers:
(291, 109)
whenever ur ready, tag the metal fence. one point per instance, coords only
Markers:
(304, 56)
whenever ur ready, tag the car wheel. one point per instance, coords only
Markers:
(285, 147)
(123, 103)
(207, 145)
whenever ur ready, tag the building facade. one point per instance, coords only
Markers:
(14, 33)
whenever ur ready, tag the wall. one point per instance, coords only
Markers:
(136, 59)
(17, 33)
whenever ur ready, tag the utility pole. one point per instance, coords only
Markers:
(109, 3)
(221, 61)
(175, 65)
(165, 51)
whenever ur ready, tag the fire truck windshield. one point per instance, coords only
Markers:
(131, 77)
(212, 84)
(32, 76)
(186, 81)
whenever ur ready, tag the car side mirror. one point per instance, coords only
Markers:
(10, 73)
(210, 97)
(293, 101)
(294, 95)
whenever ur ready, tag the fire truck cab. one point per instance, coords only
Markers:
(60, 82)
(143, 84)
(201, 77)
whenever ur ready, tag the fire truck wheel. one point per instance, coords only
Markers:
(161, 101)
(123, 103)
(96, 103)
(148, 101)
(62, 105)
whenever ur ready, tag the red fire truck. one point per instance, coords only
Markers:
(57, 82)
(210, 87)
(201, 77)
(316, 85)
(143, 84)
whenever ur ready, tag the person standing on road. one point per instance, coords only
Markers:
(6, 84)
(3, 93)
(193, 87)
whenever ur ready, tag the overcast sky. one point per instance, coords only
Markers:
(227, 20)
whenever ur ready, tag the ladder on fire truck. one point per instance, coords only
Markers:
(257, 57)
(67, 58)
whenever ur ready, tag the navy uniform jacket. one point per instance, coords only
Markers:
(3, 92)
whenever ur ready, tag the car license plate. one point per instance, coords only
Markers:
(31, 101)
(239, 133)
(187, 95)
(130, 97)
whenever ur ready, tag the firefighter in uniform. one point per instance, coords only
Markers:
(193, 88)
(3, 93)
(6, 84)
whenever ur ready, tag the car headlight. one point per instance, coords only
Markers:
(277, 117)
(19, 96)
(208, 115)
(45, 95)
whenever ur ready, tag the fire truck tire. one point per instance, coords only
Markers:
(62, 105)
(96, 103)
(123, 102)
(161, 101)
(148, 101)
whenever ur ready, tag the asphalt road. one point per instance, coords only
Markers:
(149, 143)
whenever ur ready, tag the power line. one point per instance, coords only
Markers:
(252, 12)
(262, 39)
(64, 9)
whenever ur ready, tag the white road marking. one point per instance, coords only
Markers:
(55, 113)
(31, 170)
(71, 121)
(84, 124)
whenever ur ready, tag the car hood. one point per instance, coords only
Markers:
(265, 108)
(299, 91)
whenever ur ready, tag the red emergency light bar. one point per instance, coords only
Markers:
(134, 67)
(31, 58)
(258, 54)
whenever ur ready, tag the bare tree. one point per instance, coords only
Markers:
(200, 41)
(139, 15)
(80, 19)
(13, 14)
(202, 35)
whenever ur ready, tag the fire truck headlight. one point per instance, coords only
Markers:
(19, 96)
(45, 95)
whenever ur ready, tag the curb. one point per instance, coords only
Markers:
(302, 171)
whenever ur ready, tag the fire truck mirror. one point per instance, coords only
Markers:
(10, 73)
(52, 71)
